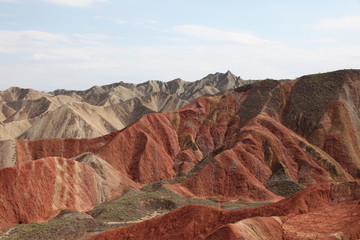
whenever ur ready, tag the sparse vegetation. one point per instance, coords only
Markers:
(274, 105)
(133, 206)
(143, 203)
(281, 184)
(242, 205)
(259, 94)
(309, 98)
(54, 229)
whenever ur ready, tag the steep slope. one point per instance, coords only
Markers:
(5, 111)
(162, 102)
(39, 190)
(212, 84)
(200, 222)
(237, 146)
(324, 108)
(26, 113)
(237, 139)
(131, 110)
(114, 93)
(31, 109)
(20, 115)
(82, 120)
(7, 153)
(252, 228)
(79, 120)
(146, 151)
(15, 94)
(13, 129)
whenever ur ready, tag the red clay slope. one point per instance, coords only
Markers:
(261, 141)
(324, 108)
(152, 150)
(265, 149)
(238, 139)
(301, 216)
(39, 190)
(146, 147)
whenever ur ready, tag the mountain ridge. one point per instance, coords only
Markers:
(293, 143)
(26, 110)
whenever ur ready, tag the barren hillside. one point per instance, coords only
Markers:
(294, 144)
(30, 114)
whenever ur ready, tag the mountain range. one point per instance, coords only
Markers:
(31, 114)
(291, 146)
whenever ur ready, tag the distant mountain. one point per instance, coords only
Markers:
(30, 114)
(212, 84)
(82, 120)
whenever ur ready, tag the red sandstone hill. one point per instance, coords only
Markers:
(262, 142)
(38, 190)
(323, 211)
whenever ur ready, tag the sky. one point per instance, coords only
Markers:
(76, 44)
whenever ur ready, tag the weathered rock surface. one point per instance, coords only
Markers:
(261, 142)
(30, 114)
(37, 191)
(227, 146)
(301, 216)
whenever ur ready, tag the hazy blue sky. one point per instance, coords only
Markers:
(75, 44)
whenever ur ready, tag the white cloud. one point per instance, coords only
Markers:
(115, 20)
(145, 23)
(323, 40)
(63, 60)
(42, 36)
(347, 23)
(75, 3)
(175, 39)
(136, 22)
(62, 55)
(214, 34)
(51, 46)
(91, 36)
(10, 1)
(119, 21)
(19, 41)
